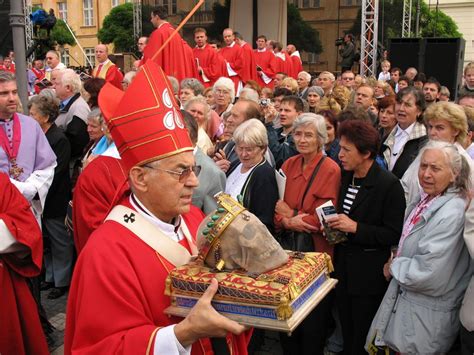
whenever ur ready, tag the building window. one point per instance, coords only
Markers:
(307, 4)
(171, 5)
(208, 4)
(115, 3)
(62, 10)
(65, 57)
(90, 54)
(88, 12)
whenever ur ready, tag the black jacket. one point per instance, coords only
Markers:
(378, 209)
(282, 147)
(409, 153)
(260, 193)
(59, 193)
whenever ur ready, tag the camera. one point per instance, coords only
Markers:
(339, 41)
(265, 102)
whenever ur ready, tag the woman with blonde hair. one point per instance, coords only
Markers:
(290, 84)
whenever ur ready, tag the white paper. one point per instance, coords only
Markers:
(281, 183)
(326, 210)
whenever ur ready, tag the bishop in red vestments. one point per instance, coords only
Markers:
(233, 55)
(116, 301)
(210, 64)
(266, 63)
(175, 59)
(21, 251)
(106, 69)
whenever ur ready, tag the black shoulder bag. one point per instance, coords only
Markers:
(299, 241)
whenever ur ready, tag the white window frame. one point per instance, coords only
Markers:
(313, 4)
(171, 5)
(90, 53)
(62, 10)
(65, 58)
(115, 3)
(88, 12)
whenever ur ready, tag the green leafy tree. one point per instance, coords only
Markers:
(432, 23)
(117, 28)
(301, 34)
(61, 34)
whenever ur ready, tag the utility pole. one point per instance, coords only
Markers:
(17, 23)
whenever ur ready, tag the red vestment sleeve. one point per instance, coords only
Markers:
(20, 327)
(297, 65)
(103, 179)
(249, 67)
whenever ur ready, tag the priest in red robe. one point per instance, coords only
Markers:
(210, 65)
(284, 64)
(21, 251)
(266, 63)
(116, 301)
(295, 58)
(233, 55)
(105, 69)
(175, 59)
(249, 69)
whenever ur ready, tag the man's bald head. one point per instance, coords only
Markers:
(228, 35)
(101, 53)
(290, 48)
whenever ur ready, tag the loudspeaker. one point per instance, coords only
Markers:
(441, 58)
(444, 59)
(405, 53)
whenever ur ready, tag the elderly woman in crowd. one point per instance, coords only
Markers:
(200, 110)
(312, 179)
(314, 95)
(189, 88)
(224, 95)
(59, 247)
(371, 206)
(386, 117)
(382, 89)
(252, 182)
(95, 129)
(409, 135)
(446, 122)
(419, 312)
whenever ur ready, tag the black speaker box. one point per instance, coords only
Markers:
(441, 58)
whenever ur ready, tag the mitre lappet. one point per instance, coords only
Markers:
(233, 238)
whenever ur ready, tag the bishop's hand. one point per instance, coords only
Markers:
(203, 321)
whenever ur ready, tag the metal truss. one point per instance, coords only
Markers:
(406, 21)
(137, 19)
(369, 34)
(27, 9)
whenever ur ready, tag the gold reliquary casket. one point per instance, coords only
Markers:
(260, 284)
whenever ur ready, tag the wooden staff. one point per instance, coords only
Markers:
(186, 19)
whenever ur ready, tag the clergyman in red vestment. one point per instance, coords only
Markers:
(233, 55)
(21, 252)
(175, 58)
(105, 69)
(266, 63)
(116, 301)
(210, 64)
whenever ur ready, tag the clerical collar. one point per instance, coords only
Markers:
(232, 44)
(261, 50)
(6, 119)
(170, 229)
(105, 62)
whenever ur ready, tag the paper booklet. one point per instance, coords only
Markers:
(325, 213)
(204, 77)
(84, 76)
(44, 83)
(281, 183)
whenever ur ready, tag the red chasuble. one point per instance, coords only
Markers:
(174, 58)
(20, 327)
(211, 63)
(290, 70)
(267, 61)
(116, 300)
(110, 73)
(297, 65)
(234, 56)
(101, 182)
(249, 68)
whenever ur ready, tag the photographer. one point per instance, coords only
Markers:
(347, 52)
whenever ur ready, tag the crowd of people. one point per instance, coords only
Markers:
(393, 154)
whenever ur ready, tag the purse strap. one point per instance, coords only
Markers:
(313, 175)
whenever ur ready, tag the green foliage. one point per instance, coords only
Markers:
(61, 34)
(117, 28)
(300, 33)
(432, 23)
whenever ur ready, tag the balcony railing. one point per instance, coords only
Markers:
(201, 17)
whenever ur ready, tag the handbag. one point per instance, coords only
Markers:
(299, 241)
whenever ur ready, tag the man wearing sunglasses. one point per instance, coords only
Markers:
(117, 298)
